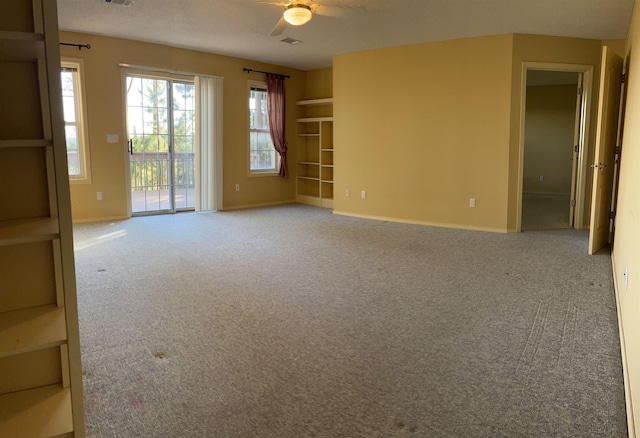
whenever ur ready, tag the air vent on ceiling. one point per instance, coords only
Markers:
(126, 3)
(291, 41)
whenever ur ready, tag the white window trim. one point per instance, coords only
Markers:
(83, 132)
(257, 173)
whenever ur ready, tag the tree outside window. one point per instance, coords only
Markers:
(262, 155)
(74, 128)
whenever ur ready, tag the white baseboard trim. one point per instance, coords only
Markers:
(99, 219)
(623, 350)
(261, 204)
(427, 223)
(237, 207)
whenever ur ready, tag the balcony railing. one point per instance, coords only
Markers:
(151, 182)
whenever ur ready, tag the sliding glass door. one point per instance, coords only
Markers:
(161, 130)
(184, 164)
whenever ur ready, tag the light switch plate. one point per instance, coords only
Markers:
(112, 138)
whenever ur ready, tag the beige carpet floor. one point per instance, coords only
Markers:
(293, 322)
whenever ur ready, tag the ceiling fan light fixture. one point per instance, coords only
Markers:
(297, 14)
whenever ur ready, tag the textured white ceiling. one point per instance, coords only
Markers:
(241, 28)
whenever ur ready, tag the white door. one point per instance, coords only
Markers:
(606, 135)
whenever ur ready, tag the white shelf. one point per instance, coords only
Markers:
(35, 143)
(316, 122)
(40, 412)
(18, 231)
(310, 102)
(21, 36)
(26, 330)
(21, 48)
(38, 345)
(326, 202)
(309, 200)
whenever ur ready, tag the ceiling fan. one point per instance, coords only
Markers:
(299, 12)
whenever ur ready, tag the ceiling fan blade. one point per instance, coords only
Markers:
(279, 28)
(274, 3)
(338, 11)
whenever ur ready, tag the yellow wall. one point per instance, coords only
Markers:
(105, 114)
(422, 129)
(618, 46)
(319, 83)
(420, 149)
(626, 248)
(548, 141)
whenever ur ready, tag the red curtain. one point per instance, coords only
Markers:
(275, 108)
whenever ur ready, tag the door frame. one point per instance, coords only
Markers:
(577, 131)
(583, 146)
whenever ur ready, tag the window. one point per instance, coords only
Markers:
(262, 156)
(74, 126)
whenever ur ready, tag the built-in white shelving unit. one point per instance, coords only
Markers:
(314, 180)
(40, 371)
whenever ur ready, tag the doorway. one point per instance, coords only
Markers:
(554, 127)
(161, 131)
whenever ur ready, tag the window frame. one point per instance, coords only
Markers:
(258, 172)
(84, 177)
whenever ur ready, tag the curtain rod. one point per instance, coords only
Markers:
(79, 46)
(166, 70)
(249, 70)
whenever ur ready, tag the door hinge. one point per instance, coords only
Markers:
(623, 78)
(573, 202)
(612, 215)
(576, 148)
(580, 91)
(617, 149)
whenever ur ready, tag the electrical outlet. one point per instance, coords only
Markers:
(237, 187)
(99, 196)
(541, 178)
(472, 202)
(363, 194)
(347, 193)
